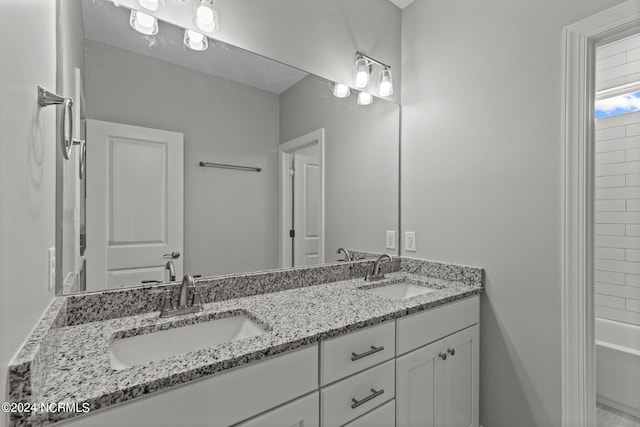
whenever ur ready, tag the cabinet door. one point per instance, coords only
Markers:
(415, 386)
(457, 380)
(304, 412)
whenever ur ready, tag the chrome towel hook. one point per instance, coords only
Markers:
(67, 140)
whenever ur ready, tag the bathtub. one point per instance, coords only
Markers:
(618, 365)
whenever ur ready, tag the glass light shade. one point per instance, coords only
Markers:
(365, 98)
(363, 77)
(205, 17)
(151, 4)
(341, 90)
(195, 40)
(143, 23)
(385, 84)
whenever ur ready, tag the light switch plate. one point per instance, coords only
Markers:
(391, 239)
(410, 241)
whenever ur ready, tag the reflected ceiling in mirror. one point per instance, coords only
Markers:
(156, 109)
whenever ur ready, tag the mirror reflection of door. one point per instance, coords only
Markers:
(306, 205)
(134, 204)
(301, 167)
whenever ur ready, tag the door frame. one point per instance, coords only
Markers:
(285, 187)
(577, 287)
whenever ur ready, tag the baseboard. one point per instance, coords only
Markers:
(634, 412)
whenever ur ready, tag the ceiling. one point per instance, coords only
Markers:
(109, 24)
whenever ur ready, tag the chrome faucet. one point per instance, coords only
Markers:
(347, 255)
(184, 305)
(376, 274)
(172, 271)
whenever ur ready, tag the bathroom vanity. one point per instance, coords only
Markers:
(320, 347)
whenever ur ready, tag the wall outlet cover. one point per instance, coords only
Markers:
(391, 239)
(410, 241)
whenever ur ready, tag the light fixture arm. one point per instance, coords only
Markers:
(370, 60)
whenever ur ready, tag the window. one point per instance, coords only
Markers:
(616, 105)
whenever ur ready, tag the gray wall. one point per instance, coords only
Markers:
(481, 158)
(230, 216)
(27, 171)
(361, 174)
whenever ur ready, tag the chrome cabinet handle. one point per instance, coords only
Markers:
(174, 255)
(443, 356)
(355, 356)
(451, 351)
(374, 393)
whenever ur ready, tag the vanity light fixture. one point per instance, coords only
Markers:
(385, 84)
(364, 66)
(153, 5)
(205, 17)
(143, 23)
(363, 73)
(341, 90)
(365, 98)
(195, 40)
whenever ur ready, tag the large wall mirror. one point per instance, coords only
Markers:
(209, 159)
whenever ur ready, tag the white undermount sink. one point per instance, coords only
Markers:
(402, 290)
(142, 349)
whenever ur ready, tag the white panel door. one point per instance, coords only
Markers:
(457, 380)
(134, 204)
(415, 387)
(306, 206)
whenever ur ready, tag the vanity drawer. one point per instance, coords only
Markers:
(382, 416)
(354, 352)
(423, 328)
(370, 389)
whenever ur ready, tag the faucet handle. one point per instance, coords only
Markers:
(196, 297)
(167, 304)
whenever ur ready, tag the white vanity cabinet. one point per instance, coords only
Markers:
(303, 412)
(438, 384)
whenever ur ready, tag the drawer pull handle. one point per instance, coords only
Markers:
(451, 352)
(373, 350)
(374, 393)
(443, 356)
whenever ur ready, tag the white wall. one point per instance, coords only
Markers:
(361, 151)
(481, 158)
(229, 216)
(27, 165)
(618, 63)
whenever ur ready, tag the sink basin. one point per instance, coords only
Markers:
(401, 290)
(142, 349)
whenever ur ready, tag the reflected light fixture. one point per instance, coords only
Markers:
(153, 5)
(341, 90)
(365, 98)
(363, 67)
(195, 40)
(143, 23)
(205, 18)
(385, 84)
(363, 73)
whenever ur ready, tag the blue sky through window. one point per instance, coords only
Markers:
(618, 105)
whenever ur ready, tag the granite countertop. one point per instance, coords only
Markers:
(79, 368)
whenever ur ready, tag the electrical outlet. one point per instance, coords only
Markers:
(391, 239)
(410, 241)
(52, 267)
